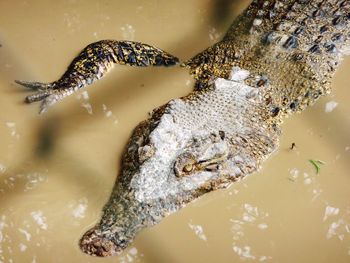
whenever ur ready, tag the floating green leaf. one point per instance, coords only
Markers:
(316, 164)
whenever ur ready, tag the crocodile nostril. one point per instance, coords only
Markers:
(92, 243)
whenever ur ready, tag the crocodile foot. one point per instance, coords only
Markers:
(47, 93)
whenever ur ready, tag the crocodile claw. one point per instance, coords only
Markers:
(34, 85)
(52, 97)
(41, 95)
(47, 93)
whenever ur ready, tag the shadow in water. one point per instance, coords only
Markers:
(46, 138)
(221, 11)
(20, 181)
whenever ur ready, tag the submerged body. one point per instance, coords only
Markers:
(278, 57)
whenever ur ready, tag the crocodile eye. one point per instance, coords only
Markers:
(188, 168)
(184, 165)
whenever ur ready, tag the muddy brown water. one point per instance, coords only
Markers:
(57, 169)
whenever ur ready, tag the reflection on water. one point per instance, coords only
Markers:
(57, 170)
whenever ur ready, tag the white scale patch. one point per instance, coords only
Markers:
(231, 107)
(238, 74)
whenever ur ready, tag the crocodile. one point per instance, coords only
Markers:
(277, 58)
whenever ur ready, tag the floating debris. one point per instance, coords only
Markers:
(294, 174)
(214, 35)
(25, 233)
(307, 179)
(128, 32)
(316, 164)
(85, 104)
(130, 256)
(330, 106)
(262, 226)
(2, 168)
(109, 114)
(79, 209)
(22, 247)
(334, 229)
(243, 252)
(330, 211)
(250, 214)
(40, 219)
(13, 129)
(198, 230)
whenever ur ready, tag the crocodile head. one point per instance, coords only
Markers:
(187, 148)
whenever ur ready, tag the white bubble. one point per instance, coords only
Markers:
(330, 106)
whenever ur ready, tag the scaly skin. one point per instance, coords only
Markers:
(277, 58)
(292, 48)
(93, 63)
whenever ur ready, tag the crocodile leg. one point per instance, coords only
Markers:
(93, 63)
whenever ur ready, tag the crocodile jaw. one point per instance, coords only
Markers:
(197, 144)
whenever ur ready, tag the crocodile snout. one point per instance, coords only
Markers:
(96, 244)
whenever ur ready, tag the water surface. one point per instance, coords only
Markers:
(57, 169)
